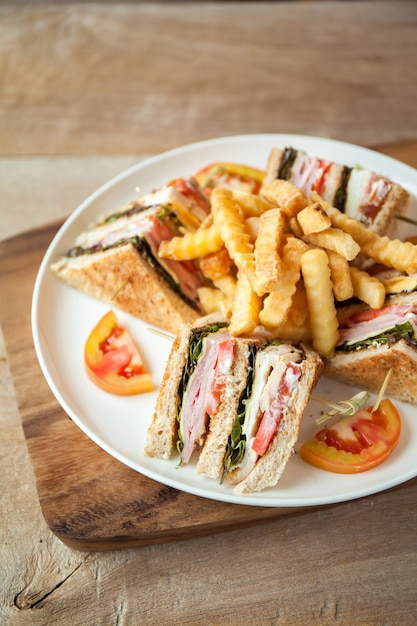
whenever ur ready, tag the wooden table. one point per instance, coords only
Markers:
(86, 91)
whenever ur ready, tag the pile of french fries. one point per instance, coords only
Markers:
(283, 261)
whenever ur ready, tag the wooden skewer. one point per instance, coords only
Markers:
(344, 407)
(161, 333)
(382, 391)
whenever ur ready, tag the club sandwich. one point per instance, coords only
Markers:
(116, 260)
(374, 341)
(360, 193)
(231, 404)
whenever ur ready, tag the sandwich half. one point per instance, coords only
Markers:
(117, 260)
(362, 194)
(373, 341)
(234, 403)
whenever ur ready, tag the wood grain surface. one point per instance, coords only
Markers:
(144, 77)
(90, 500)
(87, 89)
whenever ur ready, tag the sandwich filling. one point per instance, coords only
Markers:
(309, 173)
(203, 386)
(273, 375)
(145, 228)
(366, 194)
(357, 192)
(376, 327)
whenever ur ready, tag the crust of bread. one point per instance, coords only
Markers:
(272, 166)
(396, 203)
(161, 437)
(269, 468)
(367, 369)
(162, 434)
(332, 182)
(123, 279)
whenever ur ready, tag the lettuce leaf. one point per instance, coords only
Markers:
(405, 330)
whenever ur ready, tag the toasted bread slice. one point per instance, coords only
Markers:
(121, 277)
(270, 466)
(368, 367)
(162, 435)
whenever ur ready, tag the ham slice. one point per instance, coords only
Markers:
(149, 226)
(309, 172)
(205, 390)
(371, 323)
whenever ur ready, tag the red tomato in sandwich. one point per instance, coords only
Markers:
(357, 443)
(113, 362)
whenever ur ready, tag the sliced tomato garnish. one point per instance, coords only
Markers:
(356, 443)
(112, 361)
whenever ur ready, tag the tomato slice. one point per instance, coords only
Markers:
(191, 192)
(230, 175)
(357, 443)
(112, 361)
(272, 417)
(322, 170)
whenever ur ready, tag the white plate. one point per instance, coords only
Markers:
(63, 317)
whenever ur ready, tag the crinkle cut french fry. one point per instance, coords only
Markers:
(226, 284)
(216, 264)
(295, 227)
(252, 225)
(401, 255)
(319, 289)
(337, 240)
(211, 299)
(398, 284)
(340, 275)
(195, 244)
(246, 307)
(251, 205)
(230, 222)
(313, 219)
(297, 325)
(277, 304)
(367, 288)
(267, 251)
(289, 331)
(358, 231)
(299, 309)
(285, 195)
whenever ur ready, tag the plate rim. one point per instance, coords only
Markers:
(259, 499)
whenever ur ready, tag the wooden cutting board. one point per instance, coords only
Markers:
(90, 500)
